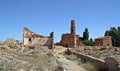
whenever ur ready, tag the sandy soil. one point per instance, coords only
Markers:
(72, 65)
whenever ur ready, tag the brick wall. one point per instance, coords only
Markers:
(71, 39)
(103, 41)
(67, 40)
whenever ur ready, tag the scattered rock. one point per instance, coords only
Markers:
(68, 51)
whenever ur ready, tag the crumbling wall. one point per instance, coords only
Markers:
(103, 41)
(11, 41)
(107, 41)
(30, 38)
(109, 64)
(67, 40)
(71, 39)
(78, 41)
(41, 41)
(27, 36)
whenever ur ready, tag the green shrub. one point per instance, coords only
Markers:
(57, 43)
(88, 42)
(71, 57)
(2, 48)
(79, 63)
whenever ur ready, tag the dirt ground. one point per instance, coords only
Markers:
(72, 65)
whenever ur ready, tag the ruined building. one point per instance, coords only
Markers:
(30, 39)
(103, 41)
(71, 39)
(11, 41)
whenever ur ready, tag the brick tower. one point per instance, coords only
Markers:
(73, 28)
(71, 39)
(73, 32)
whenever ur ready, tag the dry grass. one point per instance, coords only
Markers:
(71, 57)
(39, 59)
(90, 67)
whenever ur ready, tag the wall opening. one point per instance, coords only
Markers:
(30, 40)
(66, 45)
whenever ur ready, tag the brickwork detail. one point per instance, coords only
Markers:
(103, 41)
(71, 39)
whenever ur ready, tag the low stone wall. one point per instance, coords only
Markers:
(109, 64)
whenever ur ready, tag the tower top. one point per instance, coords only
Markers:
(72, 22)
(73, 28)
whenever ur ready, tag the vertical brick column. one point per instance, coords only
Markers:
(52, 36)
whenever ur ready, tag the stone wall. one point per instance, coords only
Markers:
(109, 64)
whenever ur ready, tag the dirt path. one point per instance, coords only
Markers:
(72, 65)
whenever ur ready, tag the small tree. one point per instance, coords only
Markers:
(91, 42)
(85, 39)
(107, 33)
(86, 34)
(88, 42)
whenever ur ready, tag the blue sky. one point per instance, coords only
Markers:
(44, 16)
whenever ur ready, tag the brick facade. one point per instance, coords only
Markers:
(71, 39)
(103, 41)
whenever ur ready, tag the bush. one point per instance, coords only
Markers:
(2, 48)
(57, 43)
(13, 46)
(71, 57)
(88, 42)
(79, 63)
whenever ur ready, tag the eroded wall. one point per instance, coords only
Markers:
(67, 40)
(30, 38)
(109, 64)
(103, 41)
